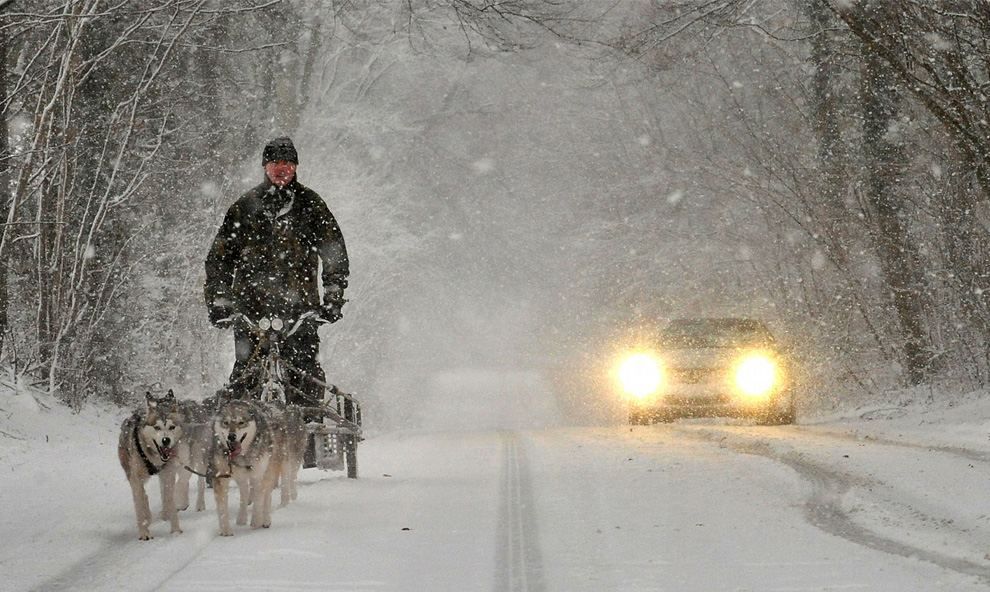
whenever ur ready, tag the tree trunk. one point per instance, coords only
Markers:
(898, 257)
(5, 194)
(962, 224)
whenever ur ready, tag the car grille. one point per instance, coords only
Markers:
(693, 375)
(697, 401)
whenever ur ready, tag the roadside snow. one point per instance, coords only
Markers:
(922, 417)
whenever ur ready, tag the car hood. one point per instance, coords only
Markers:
(708, 357)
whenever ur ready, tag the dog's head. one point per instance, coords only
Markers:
(162, 424)
(235, 427)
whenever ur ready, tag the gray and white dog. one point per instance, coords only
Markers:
(250, 448)
(197, 432)
(150, 444)
(294, 427)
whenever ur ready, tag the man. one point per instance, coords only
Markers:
(264, 263)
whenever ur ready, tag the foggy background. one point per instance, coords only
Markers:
(524, 189)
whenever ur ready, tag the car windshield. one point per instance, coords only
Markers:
(714, 333)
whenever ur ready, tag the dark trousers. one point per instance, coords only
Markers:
(299, 353)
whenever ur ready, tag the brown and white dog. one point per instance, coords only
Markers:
(149, 445)
(250, 448)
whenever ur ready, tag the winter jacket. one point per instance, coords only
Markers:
(265, 258)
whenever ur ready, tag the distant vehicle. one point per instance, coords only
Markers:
(701, 367)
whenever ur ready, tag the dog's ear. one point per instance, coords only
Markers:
(169, 394)
(150, 400)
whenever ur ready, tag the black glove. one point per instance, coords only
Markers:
(330, 311)
(220, 316)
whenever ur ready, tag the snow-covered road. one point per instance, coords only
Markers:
(682, 507)
(719, 507)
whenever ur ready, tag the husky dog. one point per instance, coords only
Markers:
(249, 448)
(149, 445)
(294, 428)
(197, 432)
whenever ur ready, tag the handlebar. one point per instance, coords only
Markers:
(276, 323)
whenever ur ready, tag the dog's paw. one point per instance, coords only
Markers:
(145, 537)
(182, 508)
(176, 530)
(226, 532)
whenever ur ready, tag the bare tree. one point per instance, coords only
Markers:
(99, 135)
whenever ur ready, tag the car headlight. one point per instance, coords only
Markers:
(756, 375)
(640, 375)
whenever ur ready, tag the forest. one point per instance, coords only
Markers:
(521, 183)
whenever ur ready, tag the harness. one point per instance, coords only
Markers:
(230, 461)
(232, 465)
(148, 465)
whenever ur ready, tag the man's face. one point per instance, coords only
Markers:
(280, 172)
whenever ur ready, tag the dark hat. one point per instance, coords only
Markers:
(279, 149)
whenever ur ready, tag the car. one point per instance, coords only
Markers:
(709, 367)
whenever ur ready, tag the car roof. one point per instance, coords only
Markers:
(736, 323)
(705, 330)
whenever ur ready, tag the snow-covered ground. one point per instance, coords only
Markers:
(890, 497)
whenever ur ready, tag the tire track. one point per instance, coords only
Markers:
(823, 509)
(121, 561)
(518, 563)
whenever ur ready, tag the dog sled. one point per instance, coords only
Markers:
(333, 420)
